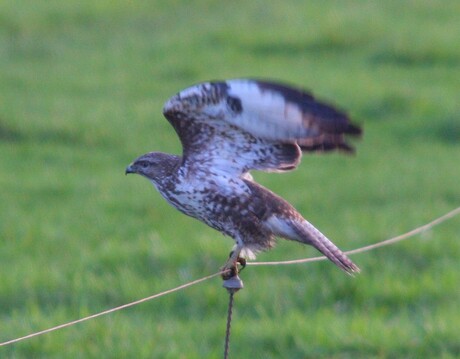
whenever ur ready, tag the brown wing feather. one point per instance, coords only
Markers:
(239, 125)
(333, 125)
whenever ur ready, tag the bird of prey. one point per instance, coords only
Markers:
(228, 128)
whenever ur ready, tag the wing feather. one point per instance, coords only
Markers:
(239, 125)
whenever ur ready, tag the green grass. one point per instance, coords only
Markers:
(82, 84)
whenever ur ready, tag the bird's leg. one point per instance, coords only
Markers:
(231, 268)
(241, 261)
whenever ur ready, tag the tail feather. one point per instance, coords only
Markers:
(307, 233)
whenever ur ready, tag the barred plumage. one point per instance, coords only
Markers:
(230, 128)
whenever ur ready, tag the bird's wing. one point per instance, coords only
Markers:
(239, 125)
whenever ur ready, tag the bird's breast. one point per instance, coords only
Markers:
(207, 199)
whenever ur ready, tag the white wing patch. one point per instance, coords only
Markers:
(238, 125)
(266, 113)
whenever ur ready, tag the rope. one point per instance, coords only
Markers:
(229, 321)
(233, 285)
(387, 242)
(358, 250)
(183, 286)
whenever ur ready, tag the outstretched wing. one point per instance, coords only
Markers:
(239, 125)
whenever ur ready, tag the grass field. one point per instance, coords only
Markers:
(82, 84)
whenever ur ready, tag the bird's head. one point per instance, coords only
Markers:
(156, 166)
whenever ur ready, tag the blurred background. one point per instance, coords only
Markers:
(82, 85)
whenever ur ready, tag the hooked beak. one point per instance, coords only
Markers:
(129, 169)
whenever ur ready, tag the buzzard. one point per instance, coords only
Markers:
(228, 128)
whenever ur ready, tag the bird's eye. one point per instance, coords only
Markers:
(143, 164)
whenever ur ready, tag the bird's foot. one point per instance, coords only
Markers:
(233, 266)
(230, 271)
